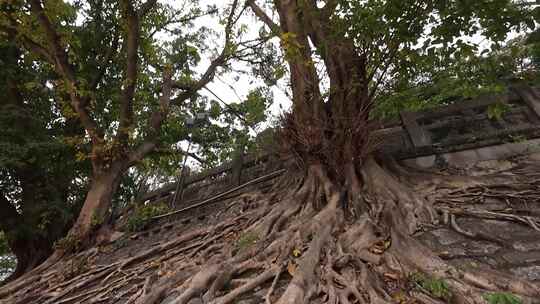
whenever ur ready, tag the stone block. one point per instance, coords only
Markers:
(519, 257)
(526, 246)
(447, 237)
(465, 158)
(534, 156)
(494, 152)
(482, 248)
(531, 273)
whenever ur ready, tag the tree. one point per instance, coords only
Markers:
(464, 77)
(349, 198)
(112, 102)
(42, 183)
(96, 54)
(341, 226)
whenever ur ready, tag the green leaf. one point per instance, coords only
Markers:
(495, 111)
(501, 298)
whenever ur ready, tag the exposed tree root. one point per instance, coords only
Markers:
(343, 261)
(318, 243)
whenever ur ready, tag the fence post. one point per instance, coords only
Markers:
(180, 185)
(238, 163)
(418, 136)
(529, 97)
(185, 175)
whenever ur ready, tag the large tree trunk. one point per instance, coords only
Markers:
(29, 248)
(29, 233)
(29, 253)
(341, 177)
(332, 131)
(30, 236)
(98, 201)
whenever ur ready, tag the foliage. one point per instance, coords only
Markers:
(41, 181)
(418, 54)
(235, 127)
(517, 138)
(496, 110)
(424, 54)
(501, 298)
(69, 243)
(86, 74)
(7, 266)
(245, 240)
(461, 78)
(265, 141)
(143, 214)
(7, 260)
(435, 287)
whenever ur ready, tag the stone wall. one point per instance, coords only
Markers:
(457, 135)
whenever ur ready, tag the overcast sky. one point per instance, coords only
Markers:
(228, 87)
(232, 90)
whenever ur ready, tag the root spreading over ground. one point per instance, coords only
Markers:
(308, 241)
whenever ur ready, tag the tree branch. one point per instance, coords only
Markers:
(329, 8)
(378, 81)
(156, 120)
(146, 7)
(105, 63)
(184, 19)
(131, 73)
(194, 156)
(64, 68)
(312, 17)
(195, 86)
(35, 48)
(60, 55)
(31, 45)
(257, 10)
(159, 116)
(184, 85)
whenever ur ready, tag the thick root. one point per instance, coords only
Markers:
(321, 243)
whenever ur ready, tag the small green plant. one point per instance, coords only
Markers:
(246, 239)
(435, 287)
(501, 298)
(143, 214)
(495, 111)
(68, 244)
(75, 267)
(96, 221)
(517, 138)
(120, 243)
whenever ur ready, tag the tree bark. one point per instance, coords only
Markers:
(332, 130)
(29, 248)
(96, 206)
(30, 252)
(107, 173)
